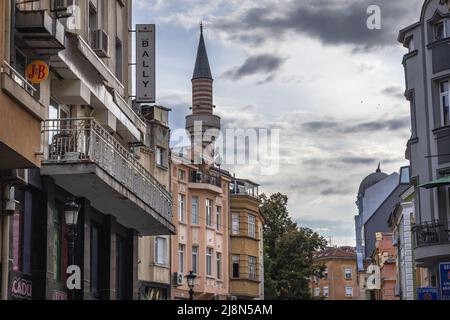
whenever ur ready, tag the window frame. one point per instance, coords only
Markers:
(346, 273)
(251, 221)
(194, 212)
(445, 120)
(209, 208)
(219, 265)
(444, 29)
(348, 289)
(209, 256)
(252, 268)
(218, 218)
(235, 261)
(181, 207)
(164, 250)
(194, 257)
(181, 257)
(235, 224)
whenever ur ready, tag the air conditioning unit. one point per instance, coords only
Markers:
(59, 5)
(178, 278)
(15, 177)
(99, 42)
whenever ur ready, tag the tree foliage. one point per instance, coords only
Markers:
(288, 252)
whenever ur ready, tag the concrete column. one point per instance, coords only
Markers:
(5, 242)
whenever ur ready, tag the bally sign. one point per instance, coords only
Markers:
(145, 63)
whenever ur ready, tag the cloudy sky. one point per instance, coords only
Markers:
(310, 68)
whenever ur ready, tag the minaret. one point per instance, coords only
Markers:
(202, 93)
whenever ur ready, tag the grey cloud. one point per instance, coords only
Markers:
(263, 63)
(336, 191)
(394, 91)
(334, 127)
(331, 22)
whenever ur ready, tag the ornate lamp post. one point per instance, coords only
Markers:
(71, 210)
(191, 283)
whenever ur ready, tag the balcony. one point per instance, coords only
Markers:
(205, 180)
(19, 89)
(431, 241)
(241, 187)
(40, 32)
(84, 159)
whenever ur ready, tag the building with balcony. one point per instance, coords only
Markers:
(339, 281)
(246, 244)
(201, 196)
(427, 75)
(154, 251)
(92, 147)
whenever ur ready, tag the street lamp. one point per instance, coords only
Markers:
(71, 210)
(191, 283)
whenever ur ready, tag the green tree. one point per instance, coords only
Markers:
(289, 249)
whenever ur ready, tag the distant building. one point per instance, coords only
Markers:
(384, 257)
(246, 248)
(340, 276)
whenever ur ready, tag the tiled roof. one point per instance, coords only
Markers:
(336, 252)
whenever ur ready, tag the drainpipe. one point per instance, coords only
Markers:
(12, 49)
(5, 243)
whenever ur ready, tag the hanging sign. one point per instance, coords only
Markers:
(37, 71)
(145, 63)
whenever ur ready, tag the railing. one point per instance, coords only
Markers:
(429, 233)
(204, 177)
(238, 188)
(17, 77)
(85, 140)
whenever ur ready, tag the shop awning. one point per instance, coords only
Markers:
(444, 181)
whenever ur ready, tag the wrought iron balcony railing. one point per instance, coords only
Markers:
(429, 233)
(84, 140)
(204, 177)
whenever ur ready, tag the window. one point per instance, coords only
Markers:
(235, 261)
(317, 292)
(209, 253)
(209, 206)
(325, 274)
(93, 22)
(410, 44)
(181, 207)
(444, 94)
(160, 156)
(405, 175)
(119, 60)
(326, 292)
(194, 210)
(218, 218)
(181, 175)
(251, 226)
(235, 223)
(195, 259)
(439, 30)
(181, 249)
(349, 292)
(348, 273)
(160, 251)
(219, 265)
(252, 268)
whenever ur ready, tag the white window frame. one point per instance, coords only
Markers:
(209, 208)
(442, 94)
(161, 250)
(317, 292)
(350, 273)
(218, 218)
(252, 266)
(251, 226)
(326, 292)
(195, 258)
(219, 265)
(236, 259)
(235, 223)
(181, 175)
(194, 210)
(181, 257)
(444, 31)
(160, 156)
(181, 207)
(209, 257)
(348, 291)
